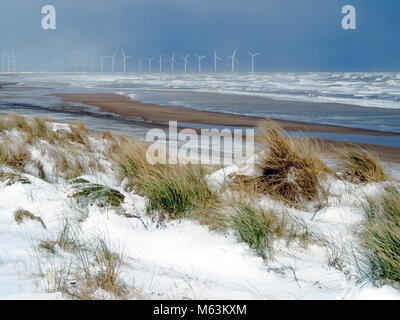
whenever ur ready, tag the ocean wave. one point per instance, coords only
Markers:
(370, 89)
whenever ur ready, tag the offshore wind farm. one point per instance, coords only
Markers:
(121, 62)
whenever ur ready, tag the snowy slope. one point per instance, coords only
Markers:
(180, 259)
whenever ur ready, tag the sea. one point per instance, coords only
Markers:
(367, 100)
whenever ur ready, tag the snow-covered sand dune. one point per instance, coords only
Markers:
(176, 259)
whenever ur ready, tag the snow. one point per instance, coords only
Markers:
(182, 259)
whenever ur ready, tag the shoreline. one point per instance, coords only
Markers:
(153, 115)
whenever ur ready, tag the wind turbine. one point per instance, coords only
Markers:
(14, 57)
(200, 58)
(113, 61)
(185, 58)
(102, 62)
(253, 55)
(173, 61)
(161, 61)
(233, 57)
(149, 60)
(3, 61)
(216, 58)
(125, 57)
(7, 57)
(140, 64)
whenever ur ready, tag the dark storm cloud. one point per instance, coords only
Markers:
(291, 34)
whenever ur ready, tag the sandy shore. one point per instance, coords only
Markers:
(160, 115)
(153, 114)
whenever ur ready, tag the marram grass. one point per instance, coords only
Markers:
(362, 165)
(173, 190)
(380, 237)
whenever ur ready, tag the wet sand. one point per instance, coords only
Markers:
(156, 115)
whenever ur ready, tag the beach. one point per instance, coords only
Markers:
(154, 115)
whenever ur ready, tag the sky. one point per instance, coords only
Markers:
(291, 35)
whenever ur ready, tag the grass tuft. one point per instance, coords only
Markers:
(103, 196)
(291, 167)
(380, 238)
(78, 181)
(14, 154)
(11, 178)
(173, 190)
(83, 268)
(21, 215)
(78, 133)
(41, 130)
(108, 135)
(69, 164)
(257, 227)
(362, 165)
(19, 122)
